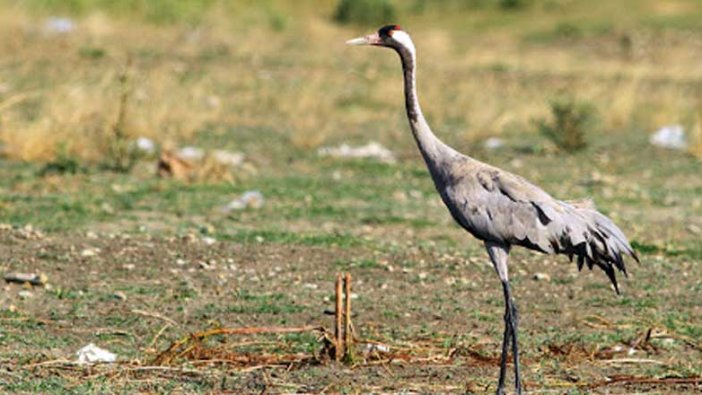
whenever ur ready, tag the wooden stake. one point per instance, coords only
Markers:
(347, 316)
(339, 346)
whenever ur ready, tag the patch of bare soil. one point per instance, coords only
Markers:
(437, 316)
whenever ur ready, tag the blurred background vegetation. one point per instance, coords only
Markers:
(234, 71)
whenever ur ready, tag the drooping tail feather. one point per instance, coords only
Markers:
(596, 241)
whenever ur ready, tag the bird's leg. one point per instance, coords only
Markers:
(505, 347)
(498, 255)
(511, 320)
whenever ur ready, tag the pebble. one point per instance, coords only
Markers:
(25, 294)
(209, 240)
(89, 252)
(542, 277)
(119, 295)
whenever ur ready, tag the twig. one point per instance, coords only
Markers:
(154, 315)
(632, 360)
(167, 369)
(347, 315)
(160, 332)
(644, 380)
(338, 341)
(254, 330)
(191, 341)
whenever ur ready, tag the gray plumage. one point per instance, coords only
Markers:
(503, 209)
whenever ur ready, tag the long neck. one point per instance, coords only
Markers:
(433, 150)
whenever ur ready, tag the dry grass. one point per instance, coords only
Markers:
(297, 78)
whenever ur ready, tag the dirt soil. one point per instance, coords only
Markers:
(135, 294)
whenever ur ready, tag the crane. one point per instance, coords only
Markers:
(503, 209)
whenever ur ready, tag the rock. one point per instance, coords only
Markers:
(119, 295)
(372, 150)
(89, 252)
(58, 25)
(145, 145)
(30, 278)
(249, 199)
(493, 143)
(209, 240)
(671, 136)
(542, 277)
(25, 294)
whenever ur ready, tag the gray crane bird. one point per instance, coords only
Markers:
(503, 209)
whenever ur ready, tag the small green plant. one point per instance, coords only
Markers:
(365, 12)
(512, 4)
(64, 163)
(121, 156)
(570, 124)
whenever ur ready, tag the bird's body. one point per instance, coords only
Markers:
(503, 209)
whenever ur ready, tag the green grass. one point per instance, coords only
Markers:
(286, 85)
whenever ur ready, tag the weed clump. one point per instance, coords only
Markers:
(570, 123)
(512, 4)
(364, 12)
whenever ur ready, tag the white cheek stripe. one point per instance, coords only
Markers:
(404, 39)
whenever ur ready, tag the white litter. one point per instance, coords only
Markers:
(224, 157)
(371, 150)
(58, 25)
(228, 158)
(373, 347)
(249, 199)
(493, 143)
(92, 353)
(671, 136)
(145, 145)
(191, 153)
(209, 240)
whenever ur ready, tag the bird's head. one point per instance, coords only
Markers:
(391, 36)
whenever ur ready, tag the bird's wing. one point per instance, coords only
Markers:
(519, 211)
(506, 208)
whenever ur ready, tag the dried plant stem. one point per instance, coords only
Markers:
(338, 347)
(347, 315)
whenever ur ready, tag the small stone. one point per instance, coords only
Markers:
(422, 275)
(91, 235)
(209, 240)
(26, 278)
(119, 295)
(89, 252)
(181, 262)
(129, 266)
(25, 294)
(542, 277)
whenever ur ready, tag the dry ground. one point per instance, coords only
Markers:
(125, 255)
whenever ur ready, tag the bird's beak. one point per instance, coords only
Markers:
(371, 39)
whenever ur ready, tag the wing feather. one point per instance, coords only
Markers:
(503, 207)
